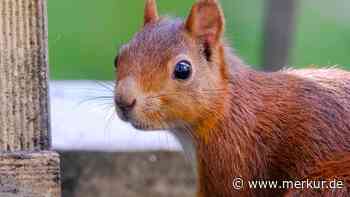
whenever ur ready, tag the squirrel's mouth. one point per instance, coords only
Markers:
(143, 127)
(140, 123)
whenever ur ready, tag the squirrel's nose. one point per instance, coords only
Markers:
(125, 97)
(125, 105)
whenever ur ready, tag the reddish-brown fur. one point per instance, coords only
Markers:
(243, 123)
(336, 169)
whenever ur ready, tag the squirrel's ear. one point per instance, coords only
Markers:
(206, 21)
(151, 12)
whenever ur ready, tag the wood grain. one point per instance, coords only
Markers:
(24, 110)
(27, 169)
(30, 174)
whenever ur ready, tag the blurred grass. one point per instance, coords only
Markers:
(84, 35)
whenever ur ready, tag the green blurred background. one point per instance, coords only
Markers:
(84, 35)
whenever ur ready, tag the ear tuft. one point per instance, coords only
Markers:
(206, 21)
(151, 12)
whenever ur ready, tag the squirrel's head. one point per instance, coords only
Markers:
(173, 73)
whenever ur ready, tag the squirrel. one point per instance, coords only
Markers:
(236, 122)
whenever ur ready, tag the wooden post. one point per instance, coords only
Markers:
(278, 33)
(27, 166)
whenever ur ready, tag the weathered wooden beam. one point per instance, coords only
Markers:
(23, 79)
(27, 167)
(26, 174)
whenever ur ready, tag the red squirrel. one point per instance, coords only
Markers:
(181, 76)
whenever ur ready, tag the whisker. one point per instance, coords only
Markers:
(106, 85)
(97, 98)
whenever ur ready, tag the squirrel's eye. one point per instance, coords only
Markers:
(183, 70)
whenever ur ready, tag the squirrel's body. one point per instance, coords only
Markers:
(277, 126)
(241, 123)
(268, 134)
